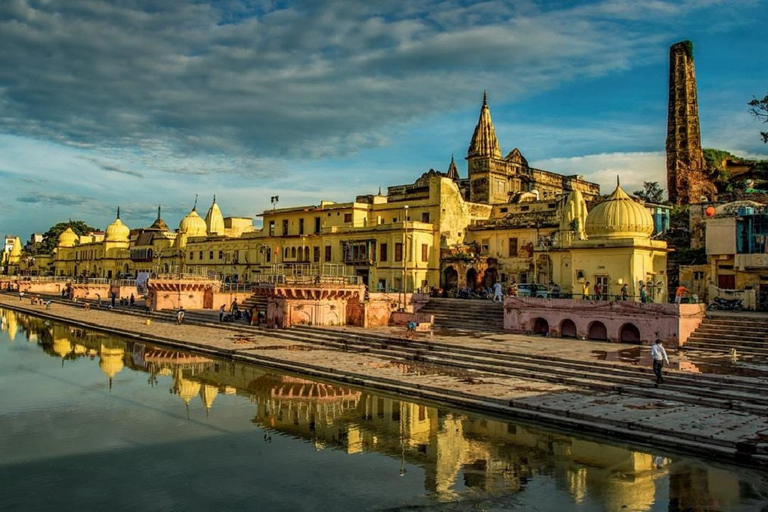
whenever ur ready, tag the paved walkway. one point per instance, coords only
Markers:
(677, 426)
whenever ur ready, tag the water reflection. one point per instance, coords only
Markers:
(459, 455)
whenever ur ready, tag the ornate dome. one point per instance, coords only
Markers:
(214, 220)
(619, 216)
(117, 231)
(68, 238)
(193, 224)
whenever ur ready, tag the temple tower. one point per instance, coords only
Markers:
(686, 178)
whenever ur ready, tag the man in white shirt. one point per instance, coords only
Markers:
(497, 292)
(659, 356)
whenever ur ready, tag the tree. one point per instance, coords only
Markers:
(51, 237)
(759, 109)
(651, 193)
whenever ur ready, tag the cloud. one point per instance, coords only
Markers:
(633, 169)
(232, 83)
(45, 199)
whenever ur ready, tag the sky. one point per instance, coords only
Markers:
(140, 103)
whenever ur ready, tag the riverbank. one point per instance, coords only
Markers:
(633, 410)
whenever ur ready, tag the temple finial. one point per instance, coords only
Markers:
(158, 212)
(194, 208)
(618, 182)
(379, 190)
(214, 198)
(118, 212)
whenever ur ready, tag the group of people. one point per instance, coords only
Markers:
(251, 316)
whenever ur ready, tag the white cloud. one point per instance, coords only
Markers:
(631, 168)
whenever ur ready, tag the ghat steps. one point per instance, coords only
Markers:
(483, 315)
(746, 334)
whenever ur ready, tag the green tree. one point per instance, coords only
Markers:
(51, 237)
(759, 109)
(651, 193)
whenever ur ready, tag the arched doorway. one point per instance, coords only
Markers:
(568, 329)
(472, 278)
(450, 279)
(540, 326)
(597, 332)
(629, 333)
(490, 277)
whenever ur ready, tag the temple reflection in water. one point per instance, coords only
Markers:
(457, 452)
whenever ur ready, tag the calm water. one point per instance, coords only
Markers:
(91, 422)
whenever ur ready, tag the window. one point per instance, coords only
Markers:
(210, 255)
(316, 254)
(424, 252)
(425, 217)
(383, 252)
(301, 226)
(485, 246)
(271, 228)
(525, 208)
(399, 251)
(327, 253)
(504, 210)
(201, 255)
(347, 217)
(221, 255)
(317, 225)
(698, 275)
(513, 247)
(285, 227)
(191, 256)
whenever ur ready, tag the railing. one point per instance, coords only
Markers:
(236, 287)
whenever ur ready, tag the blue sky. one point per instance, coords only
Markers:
(135, 103)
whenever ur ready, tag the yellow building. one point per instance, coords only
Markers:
(505, 222)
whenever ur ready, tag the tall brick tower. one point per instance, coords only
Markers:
(687, 181)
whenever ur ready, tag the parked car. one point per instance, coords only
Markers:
(532, 290)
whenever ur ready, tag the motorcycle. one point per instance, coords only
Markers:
(726, 304)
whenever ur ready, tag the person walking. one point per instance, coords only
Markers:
(624, 291)
(132, 300)
(598, 291)
(497, 295)
(180, 316)
(114, 297)
(585, 291)
(221, 313)
(643, 294)
(659, 356)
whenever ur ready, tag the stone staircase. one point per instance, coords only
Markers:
(748, 334)
(467, 314)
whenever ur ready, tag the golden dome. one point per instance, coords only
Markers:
(619, 216)
(111, 360)
(193, 225)
(186, 388)
(214, 220)
(117, 231)
(62, 347)
(68, 238)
